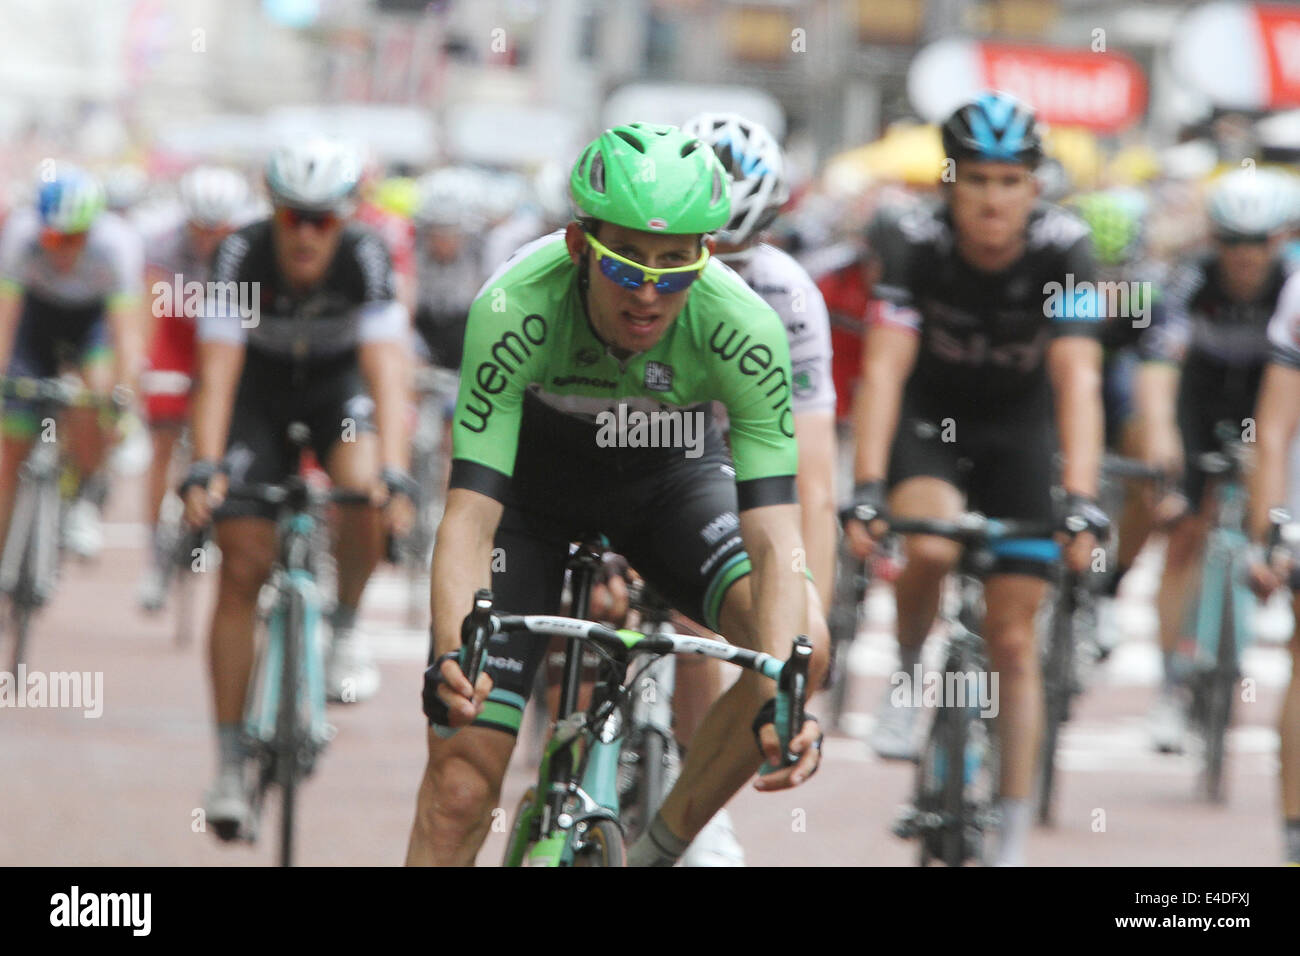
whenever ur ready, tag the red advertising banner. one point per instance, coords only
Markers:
(1105, 92)
(1279, 41)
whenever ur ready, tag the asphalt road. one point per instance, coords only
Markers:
(124, 787)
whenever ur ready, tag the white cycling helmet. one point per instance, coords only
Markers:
(551, 188)
(451, 196)
(752, 157)
(124, 186)
(1251, 202)
(213, 196)
(320, 175)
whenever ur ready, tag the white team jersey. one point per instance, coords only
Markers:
(790, 291)
(111, 264)
(1284, 342)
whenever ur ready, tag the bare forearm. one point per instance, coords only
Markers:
(772, 543)
(385, 367)
(219, 370)
(127, 325)
(1277, 416)
(817, 496)
(10, 309)
(875, 417)
(1156, 392)
(462, 561)
(1080, 421)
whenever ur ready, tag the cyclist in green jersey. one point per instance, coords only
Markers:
(591, 358)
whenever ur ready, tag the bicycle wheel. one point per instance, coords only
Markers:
(1220, 686)
(842, 622)
(183, 576)
(657, 763)
(288, 731)
(601, 844)
(1058, 687)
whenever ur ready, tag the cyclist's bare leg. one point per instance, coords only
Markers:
(354, 465)
(460, 789)
(1137, 517)
(247, 550)
(89, 431)
(723, 754)
(928, 559)
(1290, 727)
(13, 452)
(699, 683)
(1182, 560)
(164, 438)
(1011, 602)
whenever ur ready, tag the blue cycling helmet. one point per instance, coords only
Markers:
(72, 201)
(995, 127)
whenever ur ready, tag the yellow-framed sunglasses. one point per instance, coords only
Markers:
(633, 275)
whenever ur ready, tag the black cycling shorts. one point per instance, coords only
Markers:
(1003, 464)
(674, 518)
(328, 396)
(50, 338)
(1210, 392)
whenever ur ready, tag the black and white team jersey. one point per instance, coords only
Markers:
(1284, 327)
(984, 335)
(1196, 321)
(354, 303)
(786, 286)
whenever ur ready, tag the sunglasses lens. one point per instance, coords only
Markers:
(622, 273)
(675, 281)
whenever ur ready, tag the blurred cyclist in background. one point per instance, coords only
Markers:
(392, 225)
(1204, 357)
(215, 202)
(1117, 218)
(70, 298)
(449, 261)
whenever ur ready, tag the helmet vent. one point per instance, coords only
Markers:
(717, 185)
(631, 140)
(596, 174)
(691, 147)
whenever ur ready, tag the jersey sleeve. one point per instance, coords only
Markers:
(1284, 327)
(810, 352)
(221, 320)
(1171, 323)
(892, 301)
(14, 243)
(503, 351)
(126, 258)
(1072, 302)
(754, 380)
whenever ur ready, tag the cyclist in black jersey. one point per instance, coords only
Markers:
(1204, 357)
(984, 325)
(1275, 480)
(301, 324)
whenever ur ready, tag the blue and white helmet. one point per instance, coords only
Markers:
(1251, 202)
(71, 201)
(752, 158)
(994, 127)
(319, 175)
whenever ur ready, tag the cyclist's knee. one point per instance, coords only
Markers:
(246, 559)
(929, 558)
(462, 792)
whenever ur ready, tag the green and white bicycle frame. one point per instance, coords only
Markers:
(578, 778)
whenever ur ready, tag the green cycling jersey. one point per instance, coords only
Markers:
(528, 331)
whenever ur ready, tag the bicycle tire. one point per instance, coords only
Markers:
(602, 845)
(288, 736)
(651, 780)
(39, 546)
(1220, 685)
(1058, 687)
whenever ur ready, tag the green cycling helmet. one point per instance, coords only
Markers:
(1116, 220)
(652, 178)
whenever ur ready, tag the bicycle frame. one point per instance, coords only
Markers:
(1222, 578)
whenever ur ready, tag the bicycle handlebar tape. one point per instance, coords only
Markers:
(788, 707)
(474, 634)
